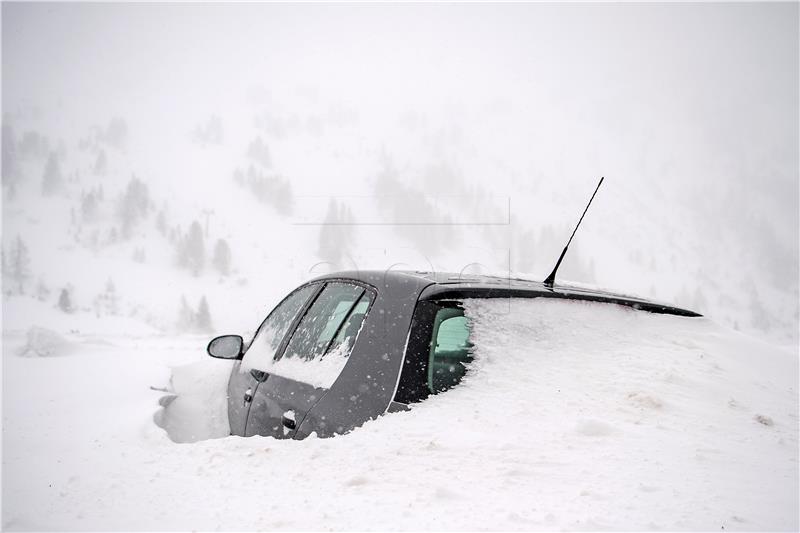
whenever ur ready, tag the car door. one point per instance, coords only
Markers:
(303, 371)
(245, 376)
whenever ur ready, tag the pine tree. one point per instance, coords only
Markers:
(210, 132)
(116, 133)
(161, 222)
(194, 248)
(89, 206)
(202, 320)
(272, 190)
(65, 301)
(259, 151)
(19, 264)
(100, 164)
(133, 206)
(185, 316)
(108, 300)
(222, 257)
(52, 180)
(238, 176)
(333, 236)
(33, 144)
(10, 168)
(42, 290)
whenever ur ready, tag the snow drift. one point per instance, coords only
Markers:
(43, 342)
(573, 416)
(196, 404)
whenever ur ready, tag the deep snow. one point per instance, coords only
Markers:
(267, 115)
(573, 416)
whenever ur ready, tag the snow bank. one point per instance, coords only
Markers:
(43, 342)
(196, 404)
(573, 416)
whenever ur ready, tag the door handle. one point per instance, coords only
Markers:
(248, 396)
(288, 420)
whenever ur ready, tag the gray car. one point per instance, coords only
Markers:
(347, 347)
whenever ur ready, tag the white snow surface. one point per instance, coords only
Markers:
(575, 416)
(320, 372)
(262, 351)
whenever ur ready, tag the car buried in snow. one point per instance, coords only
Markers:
(347, 347)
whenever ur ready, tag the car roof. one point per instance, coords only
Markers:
(455, 286)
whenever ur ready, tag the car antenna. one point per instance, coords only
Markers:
(552, 277)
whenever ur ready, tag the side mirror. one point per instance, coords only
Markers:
(226, 347)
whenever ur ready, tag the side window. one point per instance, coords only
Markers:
(437, 351)
(319, 347)
(450, 349)
(268, 338)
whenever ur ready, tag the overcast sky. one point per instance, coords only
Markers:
(714, 55)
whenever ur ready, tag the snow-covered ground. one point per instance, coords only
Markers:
(165, 183)
(573, 416)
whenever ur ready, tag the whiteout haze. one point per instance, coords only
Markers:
(171, 171)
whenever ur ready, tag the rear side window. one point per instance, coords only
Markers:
(272, 331)
(450, 349)
(437, 353)
(321, 344)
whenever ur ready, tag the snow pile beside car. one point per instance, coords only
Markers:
(196, 405)
(43, 342)
(572, 416)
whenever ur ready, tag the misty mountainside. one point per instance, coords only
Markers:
(219, 235)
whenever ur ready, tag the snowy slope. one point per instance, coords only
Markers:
(633, 240)
(573, 416)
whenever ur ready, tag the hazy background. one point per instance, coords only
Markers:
(175, 164)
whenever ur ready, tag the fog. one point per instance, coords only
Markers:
(461, 137)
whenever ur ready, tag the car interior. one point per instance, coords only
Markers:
(450, 349)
